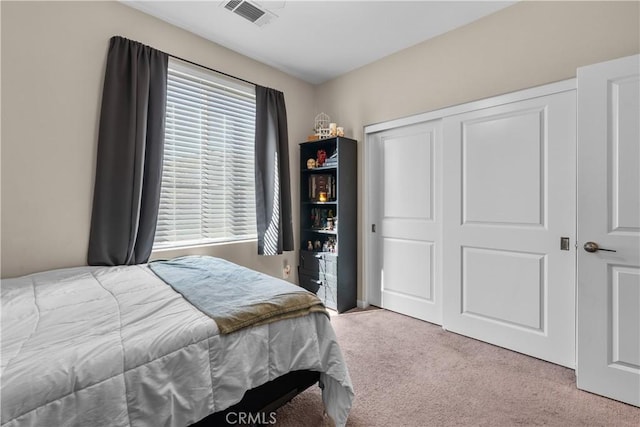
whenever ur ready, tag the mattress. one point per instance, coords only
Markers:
(116, 346)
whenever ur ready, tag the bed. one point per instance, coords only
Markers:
(119, 346)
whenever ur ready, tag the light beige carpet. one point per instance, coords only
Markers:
(406, 372)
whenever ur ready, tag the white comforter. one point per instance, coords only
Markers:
(116, 346)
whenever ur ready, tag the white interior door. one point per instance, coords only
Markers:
(408, 225)
(509, 199)
(608, 357)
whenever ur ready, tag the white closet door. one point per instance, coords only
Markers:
(408, 226)
(509, 199)
(609, 215)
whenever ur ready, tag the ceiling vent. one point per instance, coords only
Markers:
(250, 11)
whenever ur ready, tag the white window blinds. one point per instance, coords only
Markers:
(208, 190)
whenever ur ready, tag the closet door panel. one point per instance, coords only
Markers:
(407, 220)
(509, 199)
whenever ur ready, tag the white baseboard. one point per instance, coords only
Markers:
(362, 304)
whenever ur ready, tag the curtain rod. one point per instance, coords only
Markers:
(212, 69)
(186, 60)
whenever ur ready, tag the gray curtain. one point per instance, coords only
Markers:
(273, 188)
(130, 150)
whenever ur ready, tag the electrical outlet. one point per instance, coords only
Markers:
(286, 271)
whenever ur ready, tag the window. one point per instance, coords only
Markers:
(208, 189)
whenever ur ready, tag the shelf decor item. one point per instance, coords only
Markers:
(322, 157)
(311, 163)
(329, 191)
(321, 125)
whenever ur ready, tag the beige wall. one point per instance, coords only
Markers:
(524, 45)
(53, 58)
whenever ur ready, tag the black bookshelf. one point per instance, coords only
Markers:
(328, 221)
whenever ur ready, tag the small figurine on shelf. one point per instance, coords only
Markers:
(323, 219)
(311, 163)
(325, 247)
(309, 245)
(322, 157)
(317, 245)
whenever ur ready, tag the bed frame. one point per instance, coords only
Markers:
(261, 400)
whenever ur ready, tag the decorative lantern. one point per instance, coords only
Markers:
(321, 126)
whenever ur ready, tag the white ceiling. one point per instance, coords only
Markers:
(319, 40)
